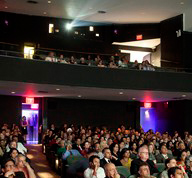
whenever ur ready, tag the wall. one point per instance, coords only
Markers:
(156, 57)
(187, 20)
(92, 112)
(171, 45)
(10, 109)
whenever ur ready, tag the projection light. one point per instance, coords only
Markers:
(68, 26)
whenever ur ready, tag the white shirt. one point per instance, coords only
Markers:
(20, 148)
(88, 173)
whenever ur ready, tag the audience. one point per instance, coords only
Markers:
(111, 171)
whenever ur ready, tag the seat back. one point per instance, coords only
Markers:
(124, 171)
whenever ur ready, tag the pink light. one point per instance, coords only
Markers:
(34, 106)
(30, 100)
(147, 105)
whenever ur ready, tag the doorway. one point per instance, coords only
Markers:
(31, 112)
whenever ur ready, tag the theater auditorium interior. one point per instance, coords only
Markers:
(95, 88)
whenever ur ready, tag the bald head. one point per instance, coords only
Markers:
(110, 170)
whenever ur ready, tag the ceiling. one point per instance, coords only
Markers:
(32, 90)
(117, 11)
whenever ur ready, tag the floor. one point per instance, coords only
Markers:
(39, 162)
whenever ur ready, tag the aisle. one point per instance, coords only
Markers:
(39, 162)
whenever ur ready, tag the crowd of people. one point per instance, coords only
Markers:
(112, 62)
(14, 162)
(105, 150)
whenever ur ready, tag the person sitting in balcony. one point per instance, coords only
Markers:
(72, 60)
(61, 59)
(82, 61)
(51, 57)
(100, 64)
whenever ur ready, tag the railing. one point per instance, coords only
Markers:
(41, 54)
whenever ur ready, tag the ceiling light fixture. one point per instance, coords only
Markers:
(181, 3)
(69, 26)
(58, 89)
(44, 13)
(79, 96)
(183, 96)
(133, 98)
(91, 28)
(97, 34)
(121, 93)
(6, 7)
(49, 2)
(13, 92)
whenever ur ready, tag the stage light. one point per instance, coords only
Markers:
(68, 26)
(97, 34)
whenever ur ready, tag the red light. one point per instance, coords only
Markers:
(139, 37)
(30, 100)
(147, 105)
(34, 106)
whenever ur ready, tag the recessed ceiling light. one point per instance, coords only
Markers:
(49, 2)
(44, 13)
(183, 96)
(6, 7)
(13, 92)
(133, 98)
(58, 89)
(79, 96)
(181, 3)
(97, 34)
(121, 93)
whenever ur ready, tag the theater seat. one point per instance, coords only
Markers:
(160, 167)
(124, 171)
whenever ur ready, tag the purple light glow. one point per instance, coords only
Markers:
(148, 118)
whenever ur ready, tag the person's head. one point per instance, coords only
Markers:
(62, 143)
(109, 141)
(169, 163)
(125, 153)
(8, 165)
(164, 149)
(183, 155)
(144, 170)
(15, 138)
(86, 145)
(78, 141)
(143, 153)
(181, 146)
(94, 161)
(134, 146)
(122, 145)
(151, 148)
(107, 153)
(20, 161)
(13, 144)
(68, 145)
(97, 146)
(114, 147)
(13, 153)
(110, 170)
(175, 172)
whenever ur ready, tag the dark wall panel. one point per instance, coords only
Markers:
(92, 112)
(10, 109)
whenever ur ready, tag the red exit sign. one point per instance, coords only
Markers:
(139, 37)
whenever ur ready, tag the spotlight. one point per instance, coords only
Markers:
(97, 34)
(68, 26)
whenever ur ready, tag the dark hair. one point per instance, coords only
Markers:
(143, 164)
(124, 150)
(93, 157)
(112, 146)
(5, 162)
(11, 150)
(172, 171)
(168, 161)
(103, 151)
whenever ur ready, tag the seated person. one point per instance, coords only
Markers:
(77, 145)
(61, 148)
(182, 159)
(86, 148)
(175, 172)
(94, 170)
(18, 145)
(125, 158)
(70, 151)
(111, 171)
(8, 169)
(144, 171)
(189, 170)
(107, 157)
(51, 57)
(23, 166)
(143, 154)
(163, 155)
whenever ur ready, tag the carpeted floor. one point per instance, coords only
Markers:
(39, 162)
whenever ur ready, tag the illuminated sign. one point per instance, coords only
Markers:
(29, 101)
(147, 105)
(139, 37)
